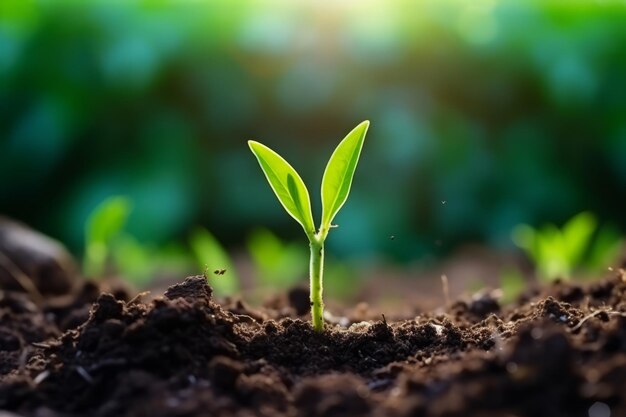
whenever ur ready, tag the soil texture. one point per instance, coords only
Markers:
(558, 352)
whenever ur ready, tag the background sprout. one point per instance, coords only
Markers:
(279, 264)
(211, 255)
(578, 245)
(294, 196)
(111, 249)
(104, 225)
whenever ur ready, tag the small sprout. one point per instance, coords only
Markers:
(209, 252)
(219, 271)
(105, 224)
(443, 202)
(277, 263)
(560, 252)
(294, 197)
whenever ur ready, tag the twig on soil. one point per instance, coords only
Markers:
(108, 362)
(25, 281)
(23, 357)
(41, 377)
(594, 314)
(137, 298)
(84, 374)
(446, 289)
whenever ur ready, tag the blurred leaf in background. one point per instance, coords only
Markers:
(278, 264)
(105, 225)
(142, 264)
(213, 258)
(111, 250)
(579, 246)
(342, 280)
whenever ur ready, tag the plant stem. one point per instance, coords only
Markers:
(317, 273)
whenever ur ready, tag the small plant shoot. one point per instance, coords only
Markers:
(579, 244)
(294, 196)
(105, 223)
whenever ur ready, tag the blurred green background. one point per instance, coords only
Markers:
(485, 114)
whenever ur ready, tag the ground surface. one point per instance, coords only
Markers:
(558, 353)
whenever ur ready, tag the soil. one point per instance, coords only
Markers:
(560, 351)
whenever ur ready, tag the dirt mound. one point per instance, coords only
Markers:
(558, 354)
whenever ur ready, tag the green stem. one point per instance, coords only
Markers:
(317, 272)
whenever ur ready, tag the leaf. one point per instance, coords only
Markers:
(553, 260)
(577, 234)
(107, 219)
(287, 185)
(337, 178)
(105, 223)
(278, 264)
(210, 254)
(525, 237)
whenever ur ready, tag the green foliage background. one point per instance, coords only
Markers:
(485, 114)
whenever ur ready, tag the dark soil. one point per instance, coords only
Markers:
(558, 353)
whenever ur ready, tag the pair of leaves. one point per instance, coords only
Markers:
(557, 253)
(336, 182)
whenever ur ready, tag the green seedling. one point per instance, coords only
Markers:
(578, 245)
(279, 264)
(213, 258)
(294, 196)
(105, 224)
(110, 248)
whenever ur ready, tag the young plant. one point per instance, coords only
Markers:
(211, 255)
(294, 196)
(579, 244)
(105, 224)
(111, 249)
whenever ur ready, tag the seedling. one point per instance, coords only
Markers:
(110, 248)
(579, 244)
(278, 263)
(294, 197)
(209, 252)
(105, 224)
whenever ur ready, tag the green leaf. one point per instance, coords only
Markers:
(105, 223)
(278, 264)
(338, 175)
(107, 219)
(577, 234)
(525, 237)
(210, 254)
(287, 184)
